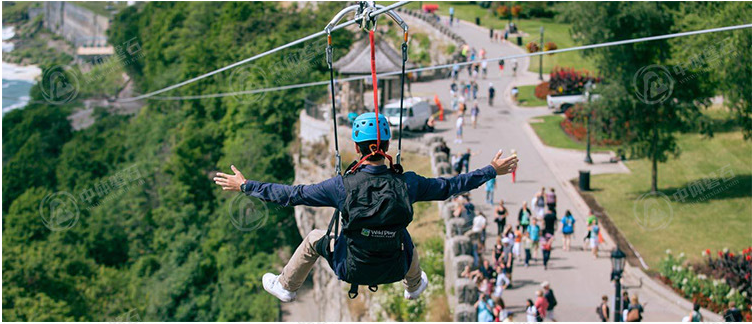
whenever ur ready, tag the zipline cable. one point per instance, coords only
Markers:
(443, 66)
(258, 56)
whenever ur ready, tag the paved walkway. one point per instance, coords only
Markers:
(577, 278)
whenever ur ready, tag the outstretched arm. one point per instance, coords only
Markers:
(443, 188)
(329, 193)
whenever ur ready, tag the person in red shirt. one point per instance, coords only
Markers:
(541, 304)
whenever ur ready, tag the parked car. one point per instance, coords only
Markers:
(415, 114)
(560, 103)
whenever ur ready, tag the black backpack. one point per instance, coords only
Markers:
(371, 249)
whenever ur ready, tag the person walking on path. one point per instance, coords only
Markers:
(523, 217)
(514, 67)
(602, 310)
(589, 221)
(479, 227)
(475, 89)
(567, 229)
(501, 67)
(506, 35)
(459, 124)
(541, 305)
(501, 216)
(732, 314)
(451, 16)
(502, 282)
(539, 203)
(694, 315)
(484, 307)
(531, 312)
(516, 248)
(465, 159)
(527, 244)
(484, 69)
(634, 313)
(491, 94)
(500, 312)
(546, 246)
(534, 231)
(490, 187)
(549, 222)
(474, 114)
(551, 200)
(594, 241)
(507, 259)
(551, 299)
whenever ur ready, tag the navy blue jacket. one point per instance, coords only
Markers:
(331, 192)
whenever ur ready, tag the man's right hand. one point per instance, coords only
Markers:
(505, 165)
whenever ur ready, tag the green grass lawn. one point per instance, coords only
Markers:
(721, 220)
(526, 97)
(553, 31)
(551, 134)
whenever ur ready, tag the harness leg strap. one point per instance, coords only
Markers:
(373, 288)
(353, 291)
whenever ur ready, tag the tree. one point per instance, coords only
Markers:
(639, 100)
(719, 60)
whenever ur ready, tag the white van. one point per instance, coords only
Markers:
(415, 114)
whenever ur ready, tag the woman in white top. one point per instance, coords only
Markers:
(531, 312)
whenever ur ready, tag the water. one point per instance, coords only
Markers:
(15, 94)
(17, 80)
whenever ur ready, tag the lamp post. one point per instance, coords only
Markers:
(588, 87)
(617, 268)
(540, 57)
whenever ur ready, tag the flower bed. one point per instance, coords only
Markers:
(569, 80)
(715, 282)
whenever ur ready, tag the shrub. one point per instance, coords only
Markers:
(542, 90)
(503, 11)
(532, 47)
(550, 46)
(516, 9)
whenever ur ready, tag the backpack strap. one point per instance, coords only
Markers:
(333, 223)
(353, 291)
(373, 288)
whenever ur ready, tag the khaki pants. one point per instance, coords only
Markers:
(305, 256)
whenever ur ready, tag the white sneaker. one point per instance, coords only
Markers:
(272, 286)
(421, 288)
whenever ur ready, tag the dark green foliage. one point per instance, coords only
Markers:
(646, 125)
(154, 239)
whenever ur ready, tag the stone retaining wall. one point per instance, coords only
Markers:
(461, 292)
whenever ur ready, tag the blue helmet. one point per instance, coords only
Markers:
(364, 128)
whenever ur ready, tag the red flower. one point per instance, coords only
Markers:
(707, 252)
(749, 257)
(731, 255)
(720, 253)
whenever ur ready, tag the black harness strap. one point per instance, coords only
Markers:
(353, 291)
(398, 166)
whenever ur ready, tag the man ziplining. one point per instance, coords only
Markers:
(376, 205)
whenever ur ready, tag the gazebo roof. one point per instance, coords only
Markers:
(358, 60)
